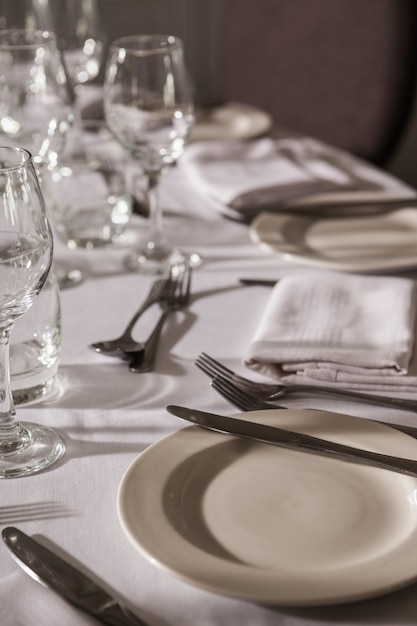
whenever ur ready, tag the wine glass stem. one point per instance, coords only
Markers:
(74, 140)
(11, 430)
(156, 239)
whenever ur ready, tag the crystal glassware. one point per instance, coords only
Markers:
(81, 39)
(36, 109)
(26, 250)
(149, 108)
(80, 35)
(36, 104)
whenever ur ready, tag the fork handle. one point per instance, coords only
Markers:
(399, 403)
(145, 361)
(154, 296)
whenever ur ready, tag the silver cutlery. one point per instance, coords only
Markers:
(176, 296)
(294, 440)
(262, 282)
(247, 402)
(250, 205)
(353, 207)
(54, 572)
(125, 343)
(276, 391)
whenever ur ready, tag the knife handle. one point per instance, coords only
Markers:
(118, 615)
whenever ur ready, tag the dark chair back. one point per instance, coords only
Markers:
(343, 71)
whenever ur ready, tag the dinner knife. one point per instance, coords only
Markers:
(262, 282)
(354, 207)
(289, 439)
(54, 572)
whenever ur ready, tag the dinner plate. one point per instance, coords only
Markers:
(370, 243)
(272, 525)
(230, 121)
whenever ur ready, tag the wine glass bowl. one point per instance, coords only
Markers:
(148, 106)
(35, 103)
(80, 35)
(26, 250)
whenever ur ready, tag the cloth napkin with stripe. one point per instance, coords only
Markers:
(339, 329)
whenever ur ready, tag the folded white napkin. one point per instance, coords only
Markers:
(355, 331)
(250, 176)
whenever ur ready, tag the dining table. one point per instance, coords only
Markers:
(108, 417)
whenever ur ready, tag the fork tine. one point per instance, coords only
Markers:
(179, 285)
(205, 367)
(204, 360)
(212, 368)
(236, 396)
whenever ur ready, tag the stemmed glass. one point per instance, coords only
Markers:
(26, 250)
(148, 106)
(35, 103)
(76, 23)
(80, 35)
(25, 14)
(81, 39)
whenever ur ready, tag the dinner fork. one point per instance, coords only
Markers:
(176, 297)
(247, 402)
(277, 391)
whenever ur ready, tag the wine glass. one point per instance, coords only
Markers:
(77, 27)
(25, 14)
(81, 39)
(76, 23)
(35, 103)
(26, 250)
(80, 35)
(148, 106)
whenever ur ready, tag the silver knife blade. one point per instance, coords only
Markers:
(54, 572)
(262, 282)
(289, 439)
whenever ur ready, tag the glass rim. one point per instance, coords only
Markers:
(137, 43)
(27, 158)
(33, 39)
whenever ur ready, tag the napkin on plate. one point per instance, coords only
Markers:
(345, 330)
(247, 177)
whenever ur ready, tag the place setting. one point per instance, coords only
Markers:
(314, 519)
(266, 524)
(309, 203)
(209, 354)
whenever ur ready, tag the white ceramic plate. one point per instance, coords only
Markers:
(270, 525)
(359, 244)
(231, 121)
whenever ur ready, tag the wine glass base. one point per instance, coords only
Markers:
(145, 263)
(43, 448)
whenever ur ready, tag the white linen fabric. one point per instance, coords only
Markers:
(34, 605)
(109, 416)
(250, 176)
(338, 329)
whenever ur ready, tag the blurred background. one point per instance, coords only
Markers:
(342, 71)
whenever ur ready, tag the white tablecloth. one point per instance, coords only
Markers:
(108, 416)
